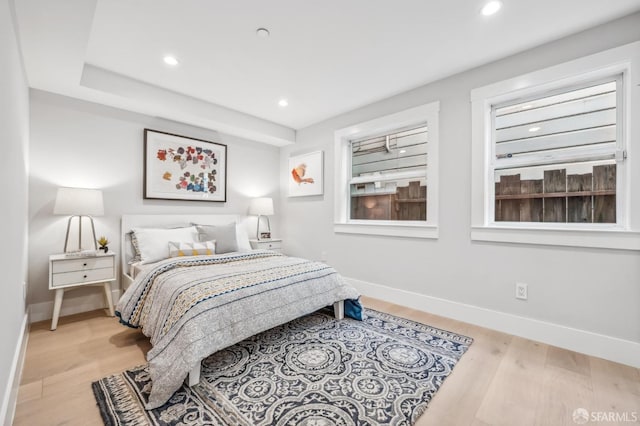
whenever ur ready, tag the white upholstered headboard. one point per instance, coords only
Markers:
(130, 221)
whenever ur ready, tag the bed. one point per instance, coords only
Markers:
(198, 302)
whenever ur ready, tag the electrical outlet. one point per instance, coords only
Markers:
(521, 291)
(323, 256)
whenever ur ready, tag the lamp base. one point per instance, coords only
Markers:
(267, 235)
(93, 230)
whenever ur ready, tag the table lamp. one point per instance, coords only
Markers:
(79, 202)
(261, 207)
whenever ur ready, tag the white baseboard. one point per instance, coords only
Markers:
(586, 342)
(70, 305)
(8, 408)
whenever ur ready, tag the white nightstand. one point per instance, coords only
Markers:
(272, 244)
(67, 272)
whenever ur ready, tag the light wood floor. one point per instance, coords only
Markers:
(501, 380)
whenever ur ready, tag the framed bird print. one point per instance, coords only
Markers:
(305, 174)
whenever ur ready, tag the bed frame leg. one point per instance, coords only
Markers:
(338, 309)
(194, 375)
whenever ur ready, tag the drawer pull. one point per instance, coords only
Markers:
(84, 264)
(84, 276)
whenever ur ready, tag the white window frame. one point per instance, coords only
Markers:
(625, 61)
(428, 114)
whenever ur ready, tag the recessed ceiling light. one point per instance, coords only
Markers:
(491, 8)
(283, 102)
(263, 32)
(534, 129)
(171, 60)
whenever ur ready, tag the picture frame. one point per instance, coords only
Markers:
(305, 174)
(183, 168)
(265, 235)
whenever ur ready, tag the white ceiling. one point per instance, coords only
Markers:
(326, 57)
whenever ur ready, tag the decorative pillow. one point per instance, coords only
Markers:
(153, 243)
(224, 236)
(204, 248)
(241, 242)
(136, 249)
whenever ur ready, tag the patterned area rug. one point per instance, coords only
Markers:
(314, 371)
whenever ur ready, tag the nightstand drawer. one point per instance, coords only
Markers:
(275, 245)
(82, 264)
(270, 245)
(81, 277)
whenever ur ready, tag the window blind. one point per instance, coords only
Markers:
(576, 125)
(399, 155)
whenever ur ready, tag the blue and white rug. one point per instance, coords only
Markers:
(315, 370)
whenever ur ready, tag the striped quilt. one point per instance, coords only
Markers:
(191, 307)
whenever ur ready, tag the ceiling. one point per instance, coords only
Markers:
(325, 57)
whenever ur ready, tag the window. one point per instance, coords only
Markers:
(549, 155)
(554, 157)
(389, 176)
(386, 175)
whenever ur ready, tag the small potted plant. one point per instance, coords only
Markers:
(103, 243)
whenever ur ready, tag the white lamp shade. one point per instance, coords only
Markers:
(79, 201)
(261, 206)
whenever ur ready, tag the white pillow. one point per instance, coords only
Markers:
(179, 249)
(153, 243)
(242, 238)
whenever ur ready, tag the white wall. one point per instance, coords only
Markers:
(587, 289)
(76, 143)
(14, 140)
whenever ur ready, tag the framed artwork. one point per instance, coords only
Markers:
(305, 174)
(182, 168)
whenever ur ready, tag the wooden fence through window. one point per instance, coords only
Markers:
(407, 203)
(558, 197)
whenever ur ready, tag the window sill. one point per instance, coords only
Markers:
(608, 239)
(388, 229)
